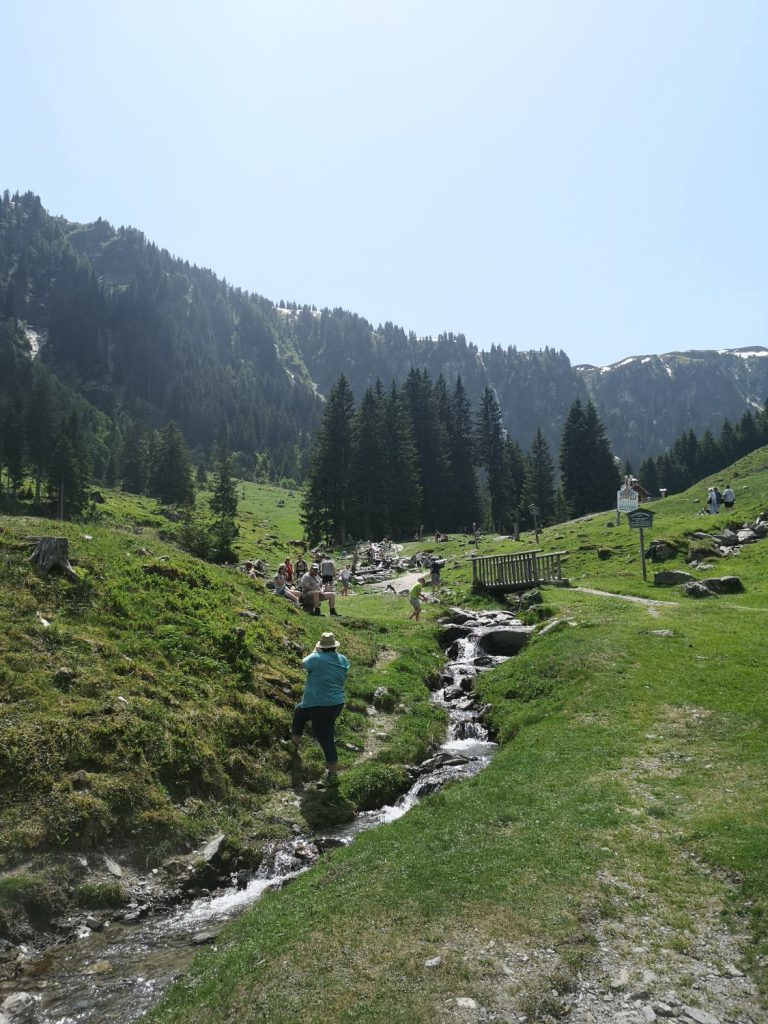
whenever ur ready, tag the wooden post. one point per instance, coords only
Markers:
(642, 555)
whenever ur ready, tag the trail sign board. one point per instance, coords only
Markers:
(627, 500)
(640, 518)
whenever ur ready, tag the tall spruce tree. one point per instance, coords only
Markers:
(325, 505)
(489, 445)
(366, 483)
(432, 447)
(539, 487)
(588, 474)
(172, 471)
(465, 493)
(223, 505)
(402, 485)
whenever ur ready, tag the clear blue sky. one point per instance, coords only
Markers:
(589, 175)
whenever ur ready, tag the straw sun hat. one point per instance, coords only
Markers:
(327, 642)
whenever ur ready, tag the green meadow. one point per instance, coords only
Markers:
(622, 822)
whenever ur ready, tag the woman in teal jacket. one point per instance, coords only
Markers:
(323, 699)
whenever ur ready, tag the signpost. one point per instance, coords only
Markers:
(627, 499)
(639, 519)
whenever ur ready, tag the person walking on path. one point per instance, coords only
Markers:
(415, 598)
(713, 501)
(729, 498)
(323, 699)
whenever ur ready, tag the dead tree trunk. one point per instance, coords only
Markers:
(52, 553)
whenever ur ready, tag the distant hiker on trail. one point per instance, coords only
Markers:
(434, 573)
(312, 592)
(729, 498)
(323, 699)
(283, 590)
(415, 598)
(327, 572)
(713, 503)
(346, 576)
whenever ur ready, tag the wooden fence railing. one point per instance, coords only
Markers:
(505, 573)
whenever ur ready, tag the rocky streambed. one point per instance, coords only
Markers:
(112, 970)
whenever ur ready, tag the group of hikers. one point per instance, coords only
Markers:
(307, 586)
(715, 499)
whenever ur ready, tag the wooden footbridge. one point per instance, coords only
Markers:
(503, 574)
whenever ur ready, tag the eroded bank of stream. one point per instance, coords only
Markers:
(115, 975)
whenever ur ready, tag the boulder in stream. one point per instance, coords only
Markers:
(505, 641)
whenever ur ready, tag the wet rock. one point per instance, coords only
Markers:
(202, 938)
(213, 850)
(457, 617)
(94, 923)
(671, 578)
(453, 632)
(453, 693)
(727, 538)
(441, 760)
(746, 536)
(19, 1007)
(482, 660)
(724, 585)
(506, 641)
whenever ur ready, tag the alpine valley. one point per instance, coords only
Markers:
(129, 332)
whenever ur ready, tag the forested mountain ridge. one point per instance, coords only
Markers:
(144, 336)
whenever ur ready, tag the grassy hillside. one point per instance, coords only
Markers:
(615, 847)
(141, 707)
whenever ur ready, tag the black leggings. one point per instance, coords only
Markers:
(323, 721)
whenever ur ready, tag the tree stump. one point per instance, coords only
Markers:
(52, 553)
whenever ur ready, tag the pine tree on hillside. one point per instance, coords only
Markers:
(432, 447)
(39, 429)
(325, 506)
(489, 445)
(171, 480)
(539, 487)
(134, 459)
(588, 473)
(574, 461)
(402, 485)
(223, 505)
(67, 474)
(465, 493)
(366, 483)
(603, 471)
(514, 482)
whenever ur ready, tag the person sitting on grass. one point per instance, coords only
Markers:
(323, 699)
(312, 593)
(283, 590)
(415, 598)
